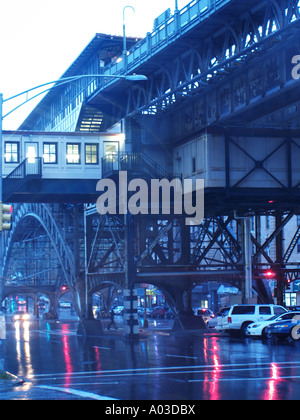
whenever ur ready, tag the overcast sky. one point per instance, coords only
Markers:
(39, 39)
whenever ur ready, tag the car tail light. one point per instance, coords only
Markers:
(229, 320)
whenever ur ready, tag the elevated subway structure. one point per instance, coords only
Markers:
(221, 104)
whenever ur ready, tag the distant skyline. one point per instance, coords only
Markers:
(41, 39)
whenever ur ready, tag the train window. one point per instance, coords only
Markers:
(11, 152)
(73, 153)
(50, 152)
(91, 154)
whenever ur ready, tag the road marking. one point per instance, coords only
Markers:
(83, 394)
(183, 357)
(60, 333)
(103, 348)
(91, 383)
(168, 368)
(244, 379)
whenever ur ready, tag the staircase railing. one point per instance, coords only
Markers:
(29, 167)
(135, 162)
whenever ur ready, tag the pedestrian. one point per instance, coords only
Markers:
(112, 320)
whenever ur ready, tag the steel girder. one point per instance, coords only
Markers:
(105, 250)
(207, 62)
(43, 215)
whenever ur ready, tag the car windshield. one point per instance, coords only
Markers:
(282, 317)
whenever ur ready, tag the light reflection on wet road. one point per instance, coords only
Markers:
(56, 363)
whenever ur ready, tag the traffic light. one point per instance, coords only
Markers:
(5, 216)
(288, 284)
(269, 274)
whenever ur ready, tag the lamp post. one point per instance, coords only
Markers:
(65, 80)
(56, 83)
(124, 38)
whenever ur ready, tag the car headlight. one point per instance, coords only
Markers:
(25, 317)
(255, 326)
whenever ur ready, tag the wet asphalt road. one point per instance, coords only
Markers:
(56, 363)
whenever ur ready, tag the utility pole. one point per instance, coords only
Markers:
(280, 286)
(124, 38)
(130, 292)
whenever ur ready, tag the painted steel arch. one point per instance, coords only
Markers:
(42, 213)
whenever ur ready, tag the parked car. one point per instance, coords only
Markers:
(260, 328)
(141, 311)
(159, 312)
(217, 319)
(240, 316)
(204, 312)
(119, 310)
(293, 308)
(285, 329)
(170, 314)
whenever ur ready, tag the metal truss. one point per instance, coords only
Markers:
(284, 145)
(105, 251)
(215, 242)
(208, 61)
(43, 215)
(280, 262)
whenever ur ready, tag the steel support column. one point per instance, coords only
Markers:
(279, 261)
(131, 327)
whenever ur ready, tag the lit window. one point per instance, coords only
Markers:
(50, 152)
(73, 153)
(111, 150)
(11, 153)
(91, 154)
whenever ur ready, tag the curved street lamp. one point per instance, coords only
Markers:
(57, 83)
(63, 81)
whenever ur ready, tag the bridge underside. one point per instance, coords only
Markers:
(34, 190)
(229, 89)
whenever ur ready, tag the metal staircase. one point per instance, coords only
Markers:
(28, 170)
(90, 119)
(136, 163)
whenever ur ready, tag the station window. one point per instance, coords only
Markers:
(73, 153)
(91, 154)
(11, 153)
(50, 152)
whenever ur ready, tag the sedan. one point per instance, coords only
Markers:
(119, 310)
(159, 312)
(260, 328)
(285, 329)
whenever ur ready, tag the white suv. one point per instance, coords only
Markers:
(239, 317)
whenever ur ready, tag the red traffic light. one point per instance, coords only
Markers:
(64, 288)
(269, 274)
(7, 208)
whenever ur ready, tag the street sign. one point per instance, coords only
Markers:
(2, 328)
